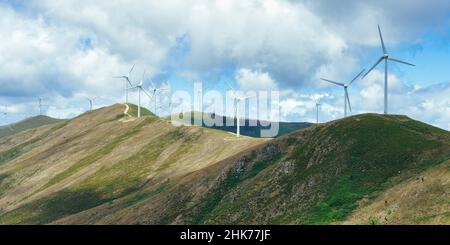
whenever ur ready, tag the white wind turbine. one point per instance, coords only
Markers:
(127, 82)
(141, 89)
(345, 86)
(385, 57)
(40, 106)
(317, 112)
(238, 100)
(91, 101)
(155, 91)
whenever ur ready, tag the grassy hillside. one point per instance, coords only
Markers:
(326, 171)
(251, 128)
(108, 169)
(420, 200)
(99, 157)
(29, 123)
(325, 174)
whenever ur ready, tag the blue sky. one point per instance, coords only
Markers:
(66, 51)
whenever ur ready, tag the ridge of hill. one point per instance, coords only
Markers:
(29, 123)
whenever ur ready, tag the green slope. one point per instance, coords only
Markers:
(122, 157)
(319, 176)
(29, 123)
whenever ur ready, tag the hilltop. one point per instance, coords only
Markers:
(29, 123)
(105, 167)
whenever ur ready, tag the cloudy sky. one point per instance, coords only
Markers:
(66, 51)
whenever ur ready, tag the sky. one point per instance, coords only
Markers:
(67, 51)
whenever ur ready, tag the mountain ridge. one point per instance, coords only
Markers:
(28, 123)
(145, 171)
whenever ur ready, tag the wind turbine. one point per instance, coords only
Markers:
(91, 101)
(40, 106)
(345, 86)
(154, 91)
(238, 100)
(317, 112)
(385, 57)
(141, 89)
(127, 82)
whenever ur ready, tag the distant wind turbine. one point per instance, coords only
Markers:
(141, 89)
(154, 91)
(91, 101)
(238, 100)
(345, 86)
(40, 106)
(127, 82)
(385, 57)
(317, 112)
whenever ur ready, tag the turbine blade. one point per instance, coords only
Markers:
(382, 42)
(129, 82)
(348, 100)
(152, 84)
(356, 77)
(145, 91)
(326, 80)
(399, 61)
(129, 73)
(231, 89)
(229, 86)
(378, 62)
(143, 77)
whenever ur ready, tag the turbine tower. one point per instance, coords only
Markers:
(127, 82)
(385, 57)
(141, 89)
(345, 86)
(40, 106)
(238, 100)
(317, 112)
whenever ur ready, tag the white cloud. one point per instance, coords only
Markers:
(254, 80)
(283, 44)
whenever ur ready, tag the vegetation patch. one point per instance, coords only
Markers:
(93, 157)
(55, 206)
(133, 111)
(143, 196)
(232, 179)
(18, 150)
